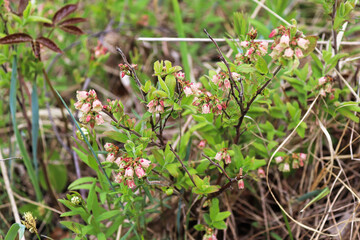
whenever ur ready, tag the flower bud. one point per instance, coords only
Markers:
(303, 43)
(188, 91)
(284, 40)
(144, 162)
(227, 159)
(261, 172)
(130, 183)
(119, 178)
(288, 53)
(110, 157)
(85, 108)
(299, 53)
(108, 147)
(75, 200)
(97, 106)
(99, 120)
(241, 184)
(78, 105)
(273, 33)
(82, 95)
(140, 172)
(129, 172)
(206, 108)
(279, 159)
(218, 156)
(286, 167)
(202, 144)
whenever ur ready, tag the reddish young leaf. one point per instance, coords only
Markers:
(16, 38)
(72, 21)
(48, 25)
(49, 44)
(72, 29)
(22, 5)
(63, 12)
(36, 49)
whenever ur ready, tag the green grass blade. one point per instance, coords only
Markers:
(322, 194)
(14, 230)
(19, 140)
(86, 140)
(180, 30)
(287, 226)
(35, 125)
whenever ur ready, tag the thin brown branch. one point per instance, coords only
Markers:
(182, 164)
(218, 165)
(126, 128)
(233, 83)
(248, 105)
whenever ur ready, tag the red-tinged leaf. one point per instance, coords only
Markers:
(16, 38)
(63, 12)
(72, 29)
(36, 49)
(71, 21)
(49, 44)
(22, 5)
(48, 25)
(312, 45)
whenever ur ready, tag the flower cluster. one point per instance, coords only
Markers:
(202, 144)
(286, 46)
(241, 184)
(251, 50)
(325, 86)
(156, 105)
(296, 160)
(76, 200)
(128, 167)
(100, 50)
(29, 222)
(125, 70)
(203, 99)
(89, 106)
(223, 154)
(209, 235)
(222, 80)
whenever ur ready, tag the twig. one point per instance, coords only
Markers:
(36, 203)
(182, 164)
(9, 192)
(233, 83)
(126, 128)
(222, 189)
(132, 70)
(218, 165)
(243, 113)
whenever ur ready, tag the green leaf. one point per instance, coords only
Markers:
(222, 215)
(245, 68)
(117, 136)
(19, 140)
(35, 124)
(214, 209)
(261, 65)
(163, 86)
(80, 181)
(27, 10)
(170, 81)
(108, 214)
(219, 225)
(322, 194)
(39, 19)
(312, 45)
(14, 230)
